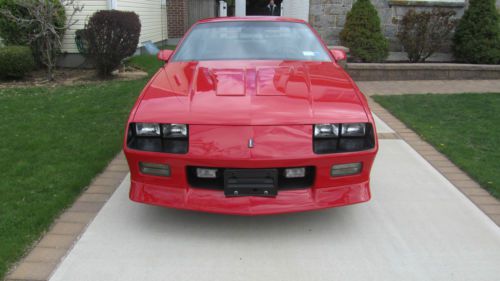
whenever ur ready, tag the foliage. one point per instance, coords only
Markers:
(15, 61)
(362, 33)
(81, 42)
(423, 33)
(36, 187)
(45, 22)
(477, 38)
(112, 36)
(461, 126)
(15, 34)
(11, 33)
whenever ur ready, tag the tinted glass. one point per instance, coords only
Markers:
(251, 40)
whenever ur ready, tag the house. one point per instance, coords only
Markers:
(326, 16)
(183, 13)
(152, 14)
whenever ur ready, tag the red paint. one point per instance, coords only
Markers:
(225, 104)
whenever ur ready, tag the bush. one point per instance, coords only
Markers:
(477, 38)
(14, 34)
(10, 32)
(81, 41)
(15, 61)
(112, 36)
(362, 33)
(422, 34)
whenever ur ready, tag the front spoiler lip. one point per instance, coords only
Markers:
(214, 201)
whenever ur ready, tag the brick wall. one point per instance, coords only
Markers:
(177, 18)
(328, 17)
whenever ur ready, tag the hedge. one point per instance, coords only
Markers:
(15, 61)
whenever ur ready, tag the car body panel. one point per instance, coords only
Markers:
(228, 103)
(264, 93)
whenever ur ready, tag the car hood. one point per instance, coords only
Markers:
(250, 93)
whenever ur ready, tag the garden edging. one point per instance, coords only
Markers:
(41, 260)
(421, 71)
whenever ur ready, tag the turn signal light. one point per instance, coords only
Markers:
(346, 169)
(162, 170)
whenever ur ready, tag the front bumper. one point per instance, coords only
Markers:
(214, 201)
(175, 191)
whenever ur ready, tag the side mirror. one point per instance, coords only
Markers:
(164, 55)
(339, 55)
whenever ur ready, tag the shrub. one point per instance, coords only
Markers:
(477, 38)
(81, 42)
(112, 36)
(362, 33)
(15, 61)
(15, 34)
(422, 34)
(11, 33)
(41, 23)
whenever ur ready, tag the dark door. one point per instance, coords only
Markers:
(263, 8)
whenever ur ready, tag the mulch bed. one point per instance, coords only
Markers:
(70, 76)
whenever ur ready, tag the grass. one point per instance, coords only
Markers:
(54, 141)
(146, 62)
(465, 127)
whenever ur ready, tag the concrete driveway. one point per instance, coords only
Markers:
(418, 226)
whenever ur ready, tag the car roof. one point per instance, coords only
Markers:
(251, 18)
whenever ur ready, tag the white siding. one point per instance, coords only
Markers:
(241, 6)
(296, 9)
(90, 7)
(153, 16)
(152, 13)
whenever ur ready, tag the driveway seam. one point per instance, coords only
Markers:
(43, 259)
(463, 182)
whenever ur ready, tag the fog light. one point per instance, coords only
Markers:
(346, 169)
(154, 169)
(206, 173)
(295, 173)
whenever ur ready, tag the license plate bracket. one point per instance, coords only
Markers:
(251, 182)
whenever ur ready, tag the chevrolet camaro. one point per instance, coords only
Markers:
(251, 116)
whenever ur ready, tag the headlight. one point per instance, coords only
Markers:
(154, 137)
(326, 131)
(345, 137)
(175, 130)
(147, 129)
(353, 130)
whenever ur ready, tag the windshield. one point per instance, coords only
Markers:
(251, 40)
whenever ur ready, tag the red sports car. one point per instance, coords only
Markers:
(251, 116)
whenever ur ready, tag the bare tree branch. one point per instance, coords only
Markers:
(45, 33)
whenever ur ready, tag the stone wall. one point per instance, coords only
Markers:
(328, 17)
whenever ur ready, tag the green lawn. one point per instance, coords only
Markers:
(53, 142)
(465, 127)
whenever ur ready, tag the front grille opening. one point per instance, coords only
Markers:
(218, 182)
(195, 181)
